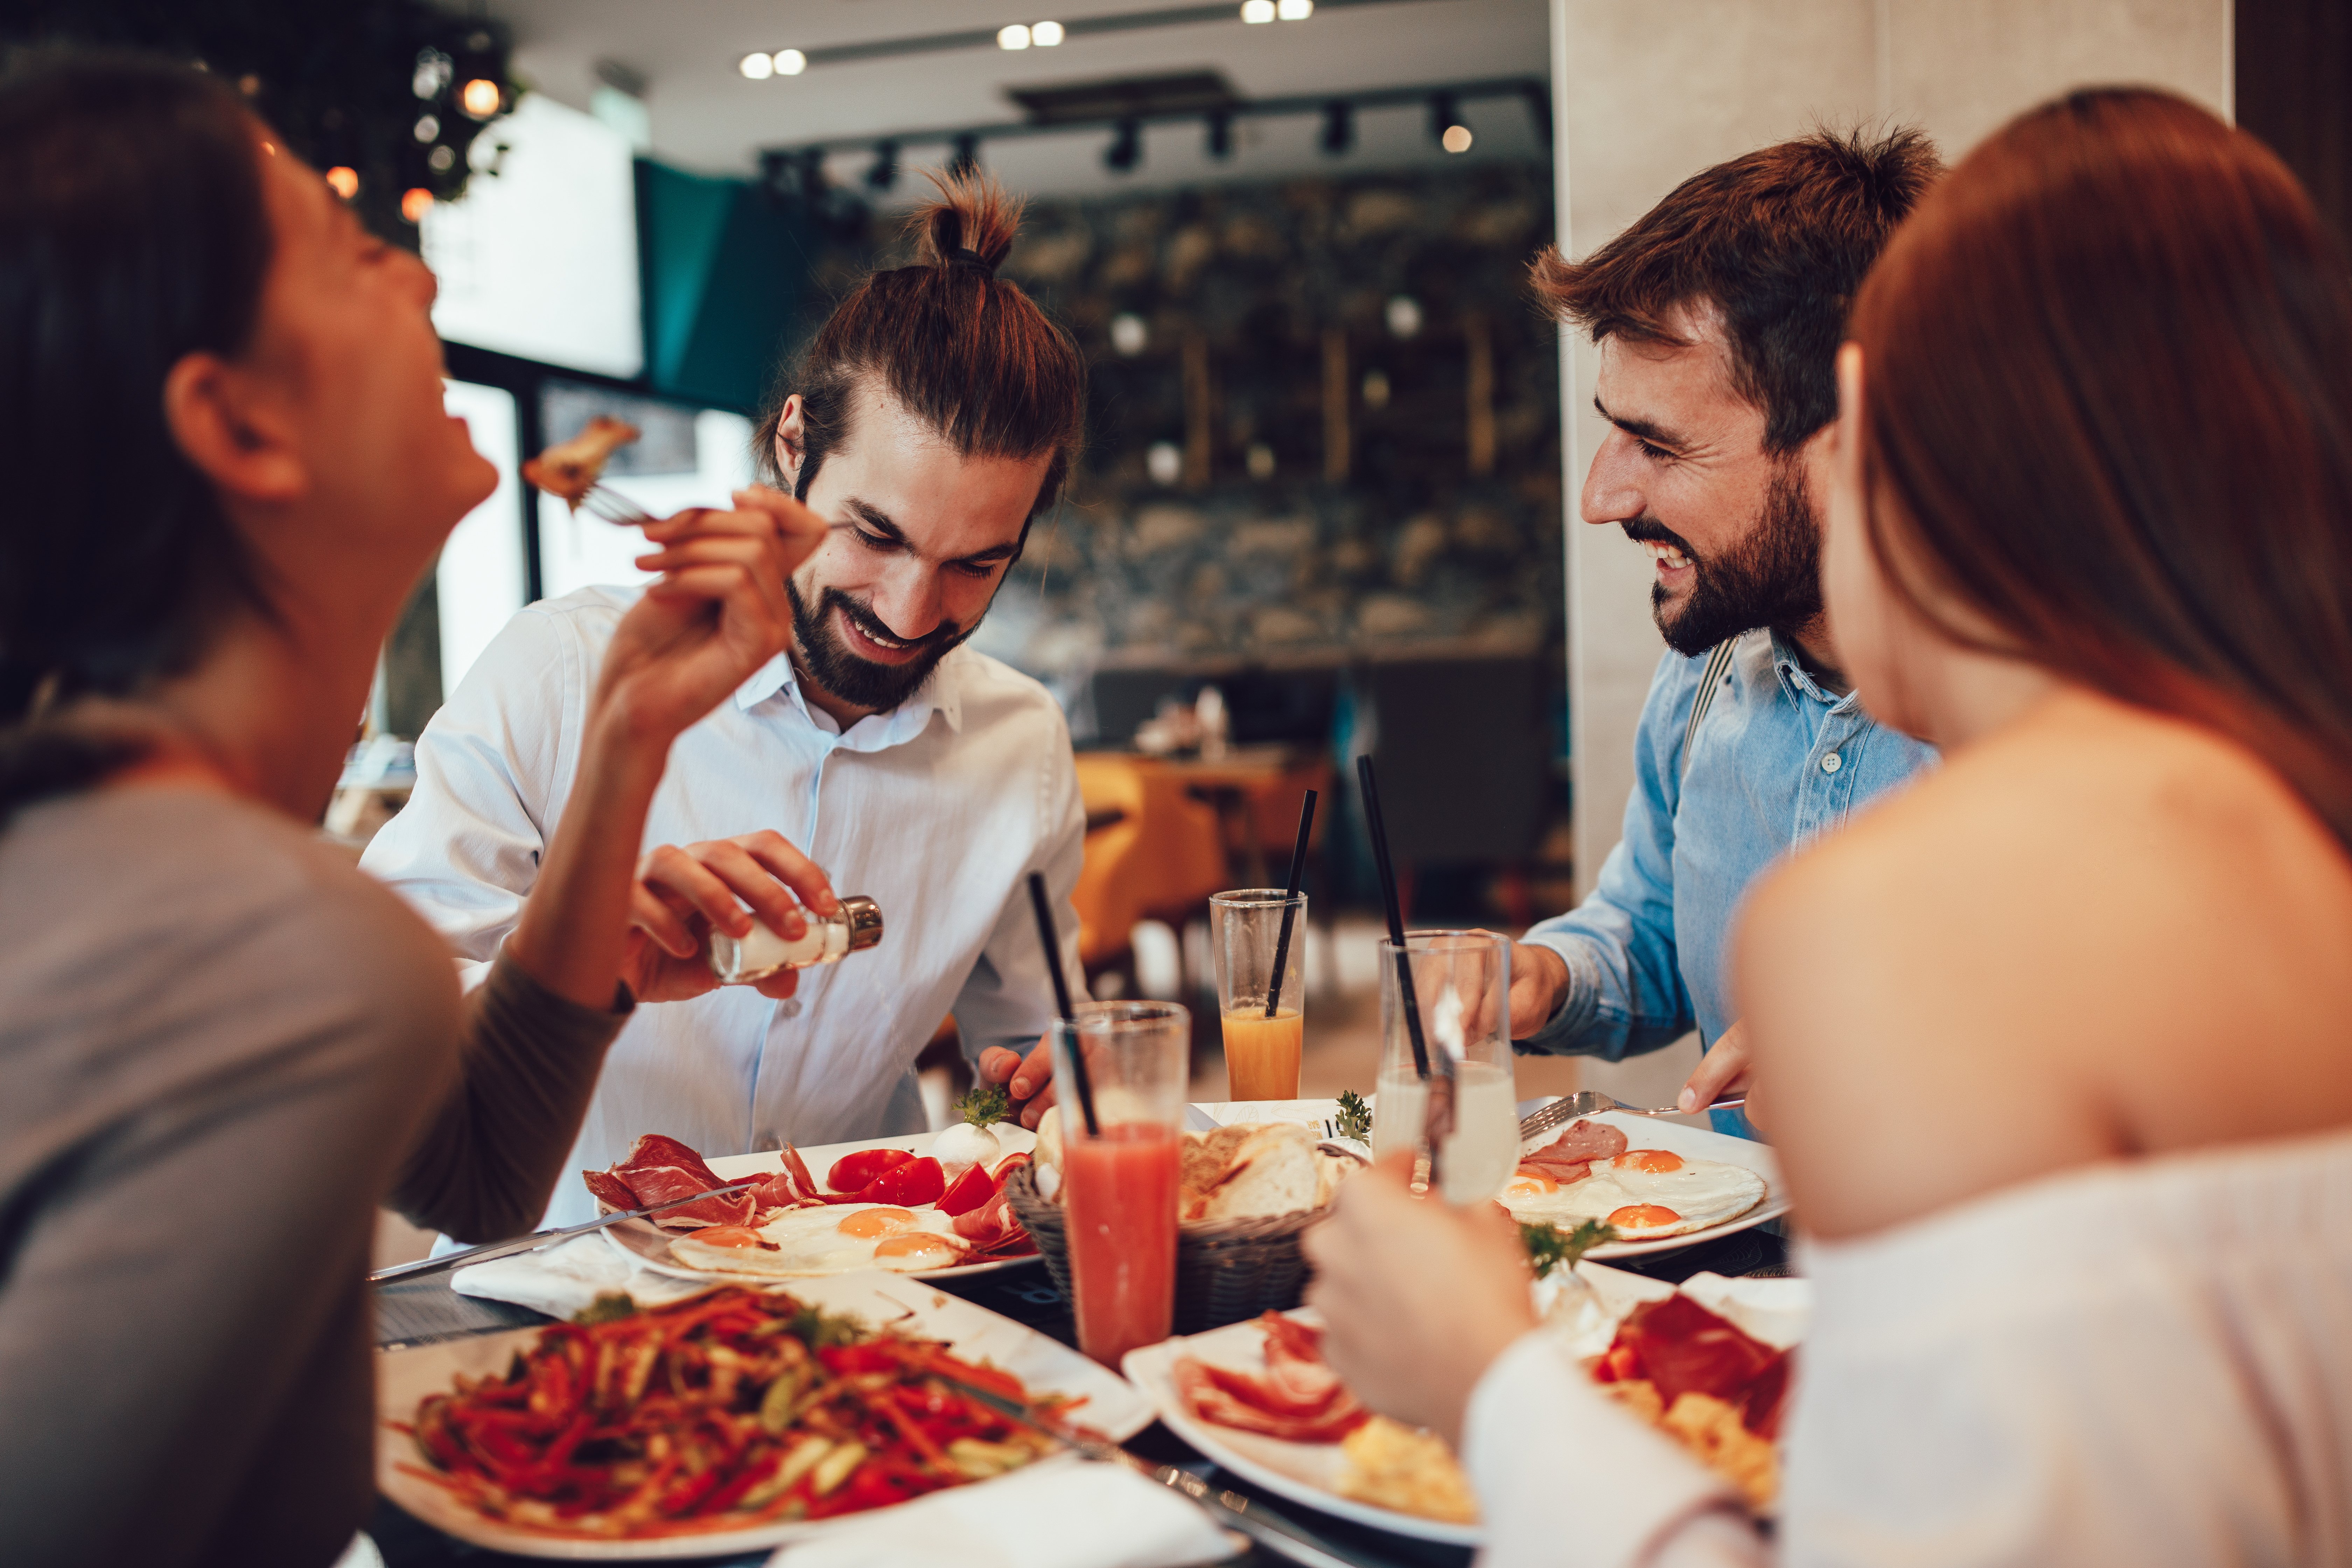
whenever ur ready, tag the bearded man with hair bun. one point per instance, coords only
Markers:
(933, 416)
(1718, 316)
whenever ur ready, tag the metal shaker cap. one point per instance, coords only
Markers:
(864, 918)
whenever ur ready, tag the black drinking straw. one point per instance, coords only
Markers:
(1380, 835)
(1297, 871)
(1045, 909)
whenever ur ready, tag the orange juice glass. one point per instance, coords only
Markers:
(1258, 937)
(1119, 1177)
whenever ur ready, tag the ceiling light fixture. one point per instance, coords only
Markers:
(1257, 11)
(345, 181)
(756, 68)
(1046, 34)
(481, 97)
(1293, 10)
(1126, 150)
(885, 172)
(1221, 134)
(1016, 37)
(414, 202)
(1457, 138)
(1339, 127)
(790, 62)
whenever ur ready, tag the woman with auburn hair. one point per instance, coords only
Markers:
(2072, 1138)
(221, 1046)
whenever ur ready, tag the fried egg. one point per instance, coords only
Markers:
(836, 1239)
(1646, 1193)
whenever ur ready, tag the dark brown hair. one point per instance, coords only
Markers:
(967, 352)
(132, 233)
(1776, 241)
(2107, 374)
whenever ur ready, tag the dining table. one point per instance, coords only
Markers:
(427, 1310)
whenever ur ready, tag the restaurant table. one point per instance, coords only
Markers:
(425, 1310)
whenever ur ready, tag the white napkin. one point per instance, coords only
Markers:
(1073, 1515)
(562, 1279)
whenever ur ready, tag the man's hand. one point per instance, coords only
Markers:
(1028, 1080)
(684, 894)
(1418, 1297)
(719, 612)
(1726, 1069)
(1538, 986)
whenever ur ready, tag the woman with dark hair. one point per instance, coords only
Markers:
(221, 1046)
(2072, 1139)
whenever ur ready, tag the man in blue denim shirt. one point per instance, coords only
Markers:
(1718, 316)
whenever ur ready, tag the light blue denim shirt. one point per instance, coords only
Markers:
(1777, 759)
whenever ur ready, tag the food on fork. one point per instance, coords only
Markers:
(570, 469)
(1589, 1174)
(729, 1410)
(899, 1211)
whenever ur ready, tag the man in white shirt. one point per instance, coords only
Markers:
(925, 776)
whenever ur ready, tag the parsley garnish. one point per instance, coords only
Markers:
(610, 1307)
(1355, 1116)
(1549, 1248)
(985, 1105)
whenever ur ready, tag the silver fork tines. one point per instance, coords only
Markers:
(1592, 1102)
(614, 506)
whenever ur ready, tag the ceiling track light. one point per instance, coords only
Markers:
(967, 154)
(885, 172)
(1339, 128)
(1221, 134)
(1126, 148)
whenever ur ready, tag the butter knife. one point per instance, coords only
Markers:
(541, 1239)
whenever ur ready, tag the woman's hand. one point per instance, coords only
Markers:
(684, 894)
(719, 613)
(1419, 1297)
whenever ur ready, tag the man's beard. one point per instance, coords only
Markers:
(861, 682)
(1771, 578)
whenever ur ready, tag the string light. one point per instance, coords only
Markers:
(345, 180)
(414, 202)
(480, 97)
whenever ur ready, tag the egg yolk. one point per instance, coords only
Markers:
(917, 1244)
(1644, 1216)
(1657, 1162)
(876, 1222)
(1530, 1184)
(729, 1235)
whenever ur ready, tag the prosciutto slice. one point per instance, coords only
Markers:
(1298, 1398)
(1570, 1156)
(790, 1188)
(1683, 1347)
(995, 1228)
(661, 1169)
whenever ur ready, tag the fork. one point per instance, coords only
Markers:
(1592, 1102)
(602, 500)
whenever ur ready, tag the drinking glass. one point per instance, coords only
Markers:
(1118, 1179)
(1258, 936)
(1461, 985)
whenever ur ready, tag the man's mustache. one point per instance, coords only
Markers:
(863, 617)
(1646, 527)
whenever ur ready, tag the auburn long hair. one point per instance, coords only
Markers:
(968, 351)
(2109, 383)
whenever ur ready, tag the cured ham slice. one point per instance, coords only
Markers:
(1298, 1398)
(1570, 1157)
(1683, 1347)
(995, 1228)
(661, 1169)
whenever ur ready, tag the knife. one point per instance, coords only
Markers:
(541, 1239)
(1263, 1527)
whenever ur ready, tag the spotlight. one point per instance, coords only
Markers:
(345, 181)
(414, 202)
(1131, 335)
(434, 69)
(1046, 34)
(758, 68)
(1126, 150)
(812, 175)
(1339, 127)
(442, 158)
(480, 97)
(1257, 11)
(427, 127)
(1403, 314)
(1457, 138)
(885, 172)
(1016, 37)
(789, 62)
(1221, 133)
(1539, 110)
(967, 154)
(1443, 115)
(1293, 10)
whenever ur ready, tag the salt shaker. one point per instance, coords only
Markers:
(739, 961)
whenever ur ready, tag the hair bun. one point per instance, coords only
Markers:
(971, 223)
(965, 256)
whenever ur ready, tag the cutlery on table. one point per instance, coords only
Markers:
(1263, 1527)
(541, 1238)
(1592, 1102)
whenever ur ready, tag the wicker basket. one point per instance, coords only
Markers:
(1225, 1273)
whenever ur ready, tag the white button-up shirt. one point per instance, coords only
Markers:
(937, 810)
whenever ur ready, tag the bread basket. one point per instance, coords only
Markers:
(1226, 1272)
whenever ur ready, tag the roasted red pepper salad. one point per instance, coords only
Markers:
(734, 1409)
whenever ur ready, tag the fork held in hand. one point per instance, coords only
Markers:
(1592, 1102)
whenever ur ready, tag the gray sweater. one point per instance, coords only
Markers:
(221, 1046)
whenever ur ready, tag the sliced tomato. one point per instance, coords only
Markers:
(856, 1173)
(967, 1192)
(907, 1184)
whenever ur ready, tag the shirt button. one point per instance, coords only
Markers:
(789, 1008)
(1832, 762)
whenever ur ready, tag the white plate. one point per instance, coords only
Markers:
(1774, 1311)
(1699, 1143)
(1306, 1473)
(974, 1333)
(647, 1246)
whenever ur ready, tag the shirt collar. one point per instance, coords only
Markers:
(942, 693)
(1790, 665)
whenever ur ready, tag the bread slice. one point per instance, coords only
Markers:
(1272, 1172)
